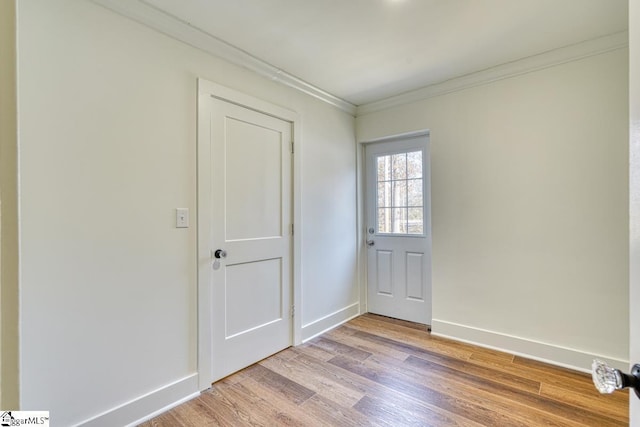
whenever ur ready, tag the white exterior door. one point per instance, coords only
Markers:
(398, 229)
(248, 157)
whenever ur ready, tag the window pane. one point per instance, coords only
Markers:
(414, 164)
(400, 201)
(399, 194)
(384, 168)
(399, 220)
(416, 221)
(384, 194)
(414, 191)
(384, 221)
(399, 166)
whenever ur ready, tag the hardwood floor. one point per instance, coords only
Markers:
(376, 371)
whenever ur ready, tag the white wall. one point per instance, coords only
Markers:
(529, 201)
(107, 151)
(328, 215)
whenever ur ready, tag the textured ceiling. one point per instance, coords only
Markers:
(367, 50)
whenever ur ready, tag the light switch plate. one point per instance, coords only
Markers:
(182, 218)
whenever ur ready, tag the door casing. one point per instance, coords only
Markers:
(206, 90)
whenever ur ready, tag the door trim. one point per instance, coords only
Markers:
(206, 90)
(362, 208)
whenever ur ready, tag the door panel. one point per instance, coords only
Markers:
(253, 164)
(415, 276)
(251, 216)
(260, 281)
(398, 229)
(384, 277)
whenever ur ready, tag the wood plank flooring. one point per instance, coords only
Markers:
(376, 371)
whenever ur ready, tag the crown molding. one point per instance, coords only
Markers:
(168, 24)
(504, 71)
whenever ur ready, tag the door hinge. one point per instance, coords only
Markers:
(292, 229)
(293, 311)
(292, 144)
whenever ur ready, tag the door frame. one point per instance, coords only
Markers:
(361, 176)
(206, 90)
(634, 199)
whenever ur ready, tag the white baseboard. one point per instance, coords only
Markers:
(556, 355)
(320, 326)
(147, 406)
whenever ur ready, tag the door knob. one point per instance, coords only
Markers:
(370, 243)
(220, 253)
(607, 379)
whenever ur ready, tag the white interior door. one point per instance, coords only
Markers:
(398, 229)
(250, 242)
